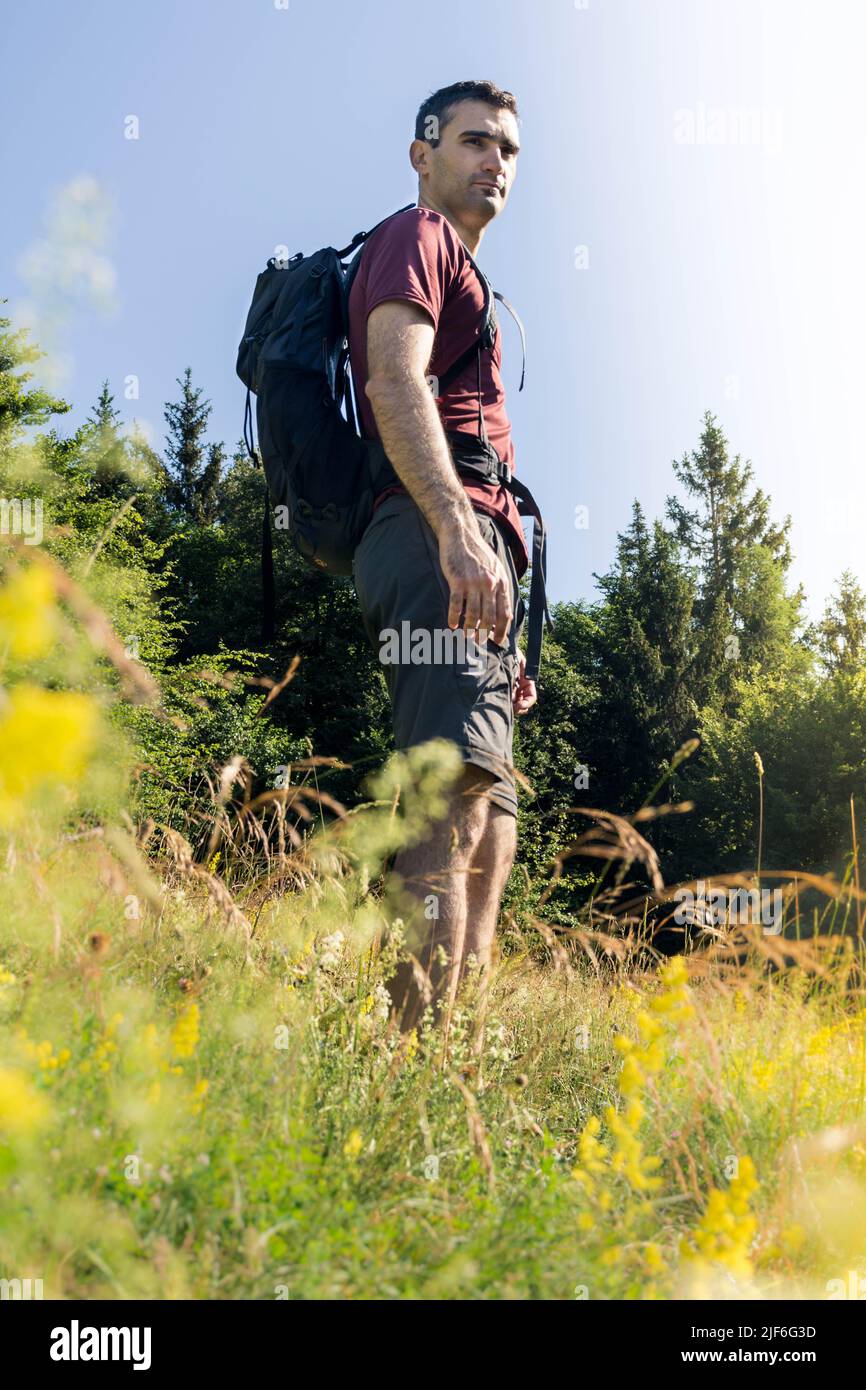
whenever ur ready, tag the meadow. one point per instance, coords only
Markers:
(201, 1095)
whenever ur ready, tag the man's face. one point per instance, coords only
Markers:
(471, 170)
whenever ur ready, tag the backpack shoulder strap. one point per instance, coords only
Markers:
(358, 242)
(360, 237)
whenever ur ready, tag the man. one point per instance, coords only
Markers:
(444, 553)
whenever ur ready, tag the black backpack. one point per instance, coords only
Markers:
(321, 475)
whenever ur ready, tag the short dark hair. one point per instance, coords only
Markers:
(440, 104)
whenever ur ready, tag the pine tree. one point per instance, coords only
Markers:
(20, 407)
(642, 654)
(104, 414)
(840, 636)
(743, 614)
(105, 452)
(209, 484)
(194, 469)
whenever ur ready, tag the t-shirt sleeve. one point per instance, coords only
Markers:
(415, 259)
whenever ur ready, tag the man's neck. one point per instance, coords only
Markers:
(470, 236)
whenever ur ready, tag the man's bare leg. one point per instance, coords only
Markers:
(486, 883)
(485, 886)
(440, 867)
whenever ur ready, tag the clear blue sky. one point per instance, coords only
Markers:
(706, 152)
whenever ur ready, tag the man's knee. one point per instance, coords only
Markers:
(470, 810)
(497, 850)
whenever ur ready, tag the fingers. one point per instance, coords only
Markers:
(489, 610)
(525, 696)
(503, 612)
(456, 602)
(479, 596)
(477, 608)
(495, 609)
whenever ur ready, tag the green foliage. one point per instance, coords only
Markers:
(21, 406)
(693, 634)
(811, 734)
(840, 636)
(193, 469)
(643, 653)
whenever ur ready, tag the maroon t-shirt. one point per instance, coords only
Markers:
(418, 256)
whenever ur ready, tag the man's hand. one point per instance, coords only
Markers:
(525, 693)
(478, 584)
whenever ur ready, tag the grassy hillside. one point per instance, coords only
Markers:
(201, 1096)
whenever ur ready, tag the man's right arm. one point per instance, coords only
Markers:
(399, 345)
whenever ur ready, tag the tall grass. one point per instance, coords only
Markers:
(201, 1093)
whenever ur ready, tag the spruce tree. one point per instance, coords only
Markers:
(104, 450)
(642, 653)
(104, 414)
(743, 614)
(193, 468)
(840, 636)
(21, 407)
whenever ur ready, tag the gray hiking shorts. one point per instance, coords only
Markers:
(442, 684)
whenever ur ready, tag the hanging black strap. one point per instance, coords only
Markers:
(248, 430)
(539, 612)
(269, 607)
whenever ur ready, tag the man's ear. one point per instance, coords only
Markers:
(419, 156)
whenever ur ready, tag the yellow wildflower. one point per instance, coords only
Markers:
(45, 737)
(726, 1230)
(762, 1074)
(21, 1108)
(28, 617)
(792, 1238)
(184, 1034)
(199, 1091)
(591, 1152)
(353, 1144)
